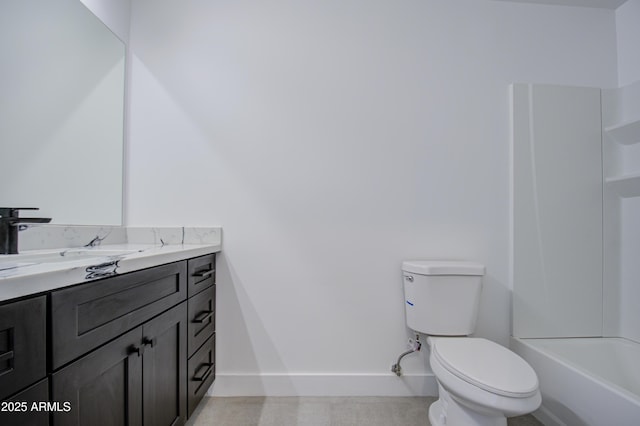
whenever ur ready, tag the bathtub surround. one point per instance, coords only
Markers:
(575, 233)
(557, 211)
(604, 305)
(589, 287)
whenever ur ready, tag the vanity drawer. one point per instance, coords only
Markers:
(201, 373)
(202, 318)
(202, 273)
(88, 315)
(18, 411)
(23, 347)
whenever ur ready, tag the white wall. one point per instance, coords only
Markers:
(332, 140)
(628, 34)
(114, 13)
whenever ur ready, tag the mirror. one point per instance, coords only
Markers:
(61, 112)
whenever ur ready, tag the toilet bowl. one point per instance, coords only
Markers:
(480, 383)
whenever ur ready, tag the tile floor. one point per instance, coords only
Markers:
(320, 411)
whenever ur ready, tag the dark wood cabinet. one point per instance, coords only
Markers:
(201, 328)
(19, 410)
(201, 372)
(104, 387)
(202, 273)
(22, 344)
(164, 368)
(202, 318)
(137, 379)
(87, 315)
(136, 349)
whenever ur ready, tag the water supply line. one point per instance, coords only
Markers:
(414, 346)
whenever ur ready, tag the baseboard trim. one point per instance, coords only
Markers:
(323, 385)
(546, 417)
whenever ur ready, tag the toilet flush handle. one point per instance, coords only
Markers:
(409, 278)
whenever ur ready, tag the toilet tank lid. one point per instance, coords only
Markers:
(443, 267)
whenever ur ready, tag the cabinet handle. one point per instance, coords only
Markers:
(204, 274)
(149, 341)
(201, 378)
(139, 350)
(203, 316)
(6, 356)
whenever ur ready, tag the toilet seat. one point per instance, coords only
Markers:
(487, 365)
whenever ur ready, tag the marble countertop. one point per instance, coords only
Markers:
(36, 271)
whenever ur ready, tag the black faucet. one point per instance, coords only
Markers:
(9, 223)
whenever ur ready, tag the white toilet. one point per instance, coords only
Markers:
(479, 381)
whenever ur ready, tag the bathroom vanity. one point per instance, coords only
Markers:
(108, 339)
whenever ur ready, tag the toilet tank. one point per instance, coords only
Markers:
(441, 297)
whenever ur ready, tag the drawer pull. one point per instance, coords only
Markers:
(139, 350)
(6, 356)
(203, 316)
(201, 378)
(204, 274)
(149, 341)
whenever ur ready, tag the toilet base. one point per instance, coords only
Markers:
(435, 413)
(448, 412)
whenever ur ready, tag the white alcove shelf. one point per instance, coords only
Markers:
(625, 186)
(627, 133)
(621, 139)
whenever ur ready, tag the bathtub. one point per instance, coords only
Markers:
(585, 381)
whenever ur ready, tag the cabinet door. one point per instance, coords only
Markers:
(104, 388)
(165, 368)
(20, 409)
(22, 344)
